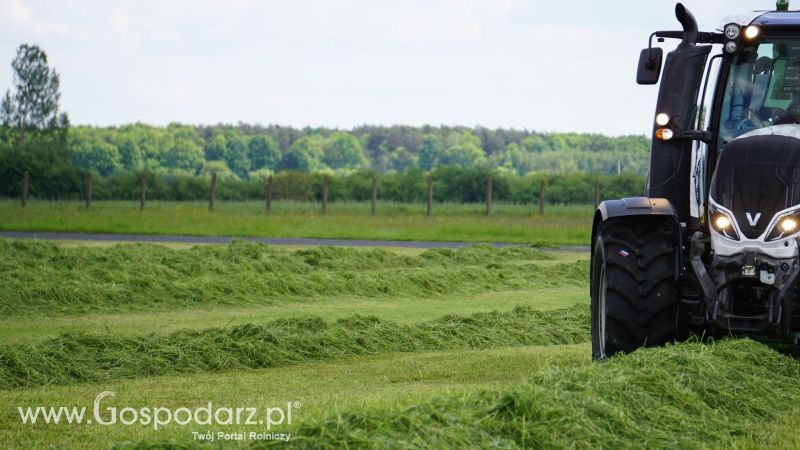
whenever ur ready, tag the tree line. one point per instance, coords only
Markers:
(37, 138)
(244, 151)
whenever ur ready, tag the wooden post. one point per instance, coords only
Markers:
(430, 193)
(374, 194)
(325, 181)
(489, 196)
(25, 183)
(88, 190)
(596, 193)
(213, 193)
(269, 194)
(143, 192)
(541, 196)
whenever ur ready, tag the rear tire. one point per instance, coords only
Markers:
(633, 286)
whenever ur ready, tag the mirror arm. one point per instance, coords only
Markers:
(695, 135)
(702, 37)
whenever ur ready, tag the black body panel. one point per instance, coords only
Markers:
(670, 161)
(757, 175)
(635, 206)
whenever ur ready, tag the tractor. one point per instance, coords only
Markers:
(713, 245)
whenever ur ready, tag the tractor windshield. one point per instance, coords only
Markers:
(763, 88)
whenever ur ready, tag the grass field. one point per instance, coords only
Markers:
(471, 348)
(393, 221)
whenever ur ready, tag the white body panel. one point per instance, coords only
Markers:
(785, 247)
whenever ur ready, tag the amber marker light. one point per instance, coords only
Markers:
(664, 134)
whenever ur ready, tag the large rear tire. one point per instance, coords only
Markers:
(633, 286)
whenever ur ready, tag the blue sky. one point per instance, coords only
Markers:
(542, 65)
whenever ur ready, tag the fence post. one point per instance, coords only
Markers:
(489, 196)
(213, 191)
(269, 194)
(374, 194)
(325, 181)
(25, 183)
(596, 193)
(88, 190)
(430, 193)
(541, 196)
(143, 191)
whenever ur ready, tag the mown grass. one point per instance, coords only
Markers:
(73, 358)
(508, 379)
(44, 278)
(394, 221)
(34, 328)
(382, 382)
(682, 396)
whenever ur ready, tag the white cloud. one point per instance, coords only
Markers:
(15, 11)
(521, 63)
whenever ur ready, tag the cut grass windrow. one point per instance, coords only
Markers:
(73, 358)
(43, 278)
(732, 394)
(683, 396)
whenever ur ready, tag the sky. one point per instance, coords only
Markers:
(566, 66)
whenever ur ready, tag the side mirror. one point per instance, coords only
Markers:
(649, 65)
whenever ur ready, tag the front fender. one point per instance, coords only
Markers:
(611, 210)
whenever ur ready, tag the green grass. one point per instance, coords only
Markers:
(384, 382)
(422, 365)
(394, 221)
(73, 358)
(682, 396)
(45, 278)
(405, 310)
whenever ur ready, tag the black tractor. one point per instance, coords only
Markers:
(712, 246)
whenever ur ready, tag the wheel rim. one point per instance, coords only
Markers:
(602, 312)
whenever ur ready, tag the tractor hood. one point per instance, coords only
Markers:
(758, 175)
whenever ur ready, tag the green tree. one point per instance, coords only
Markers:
(130, 154)
(263, 152)
(33, 100)
(466, 152)
(513, 159)
(220, 168)
(304, 155)
(429, 152)
(535, 144)
(29, 110)
(216, 147)
(236, 156)
(184, 156)
(94, 153)
(402, 159)
(343, 151)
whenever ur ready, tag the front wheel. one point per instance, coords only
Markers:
(634, 300)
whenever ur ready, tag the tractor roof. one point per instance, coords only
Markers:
(777, 18)
(763, 19)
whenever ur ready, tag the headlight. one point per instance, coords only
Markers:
(751, 32)
(732, 31)
(723, 223)
(786, 225)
